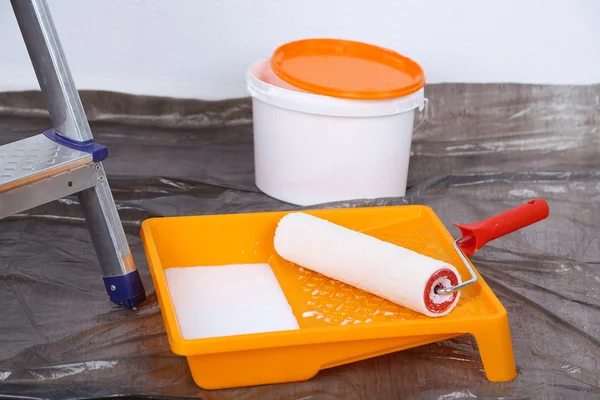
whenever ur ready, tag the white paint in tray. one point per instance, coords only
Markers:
(227, 300)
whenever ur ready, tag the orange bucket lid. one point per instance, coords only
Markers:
(347, 69)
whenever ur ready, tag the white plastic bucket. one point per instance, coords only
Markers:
(311, 149)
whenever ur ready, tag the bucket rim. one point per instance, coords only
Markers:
(305, 102)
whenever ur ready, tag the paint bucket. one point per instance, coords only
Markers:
(333, 121)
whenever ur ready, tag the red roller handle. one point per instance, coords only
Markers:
(477, 234)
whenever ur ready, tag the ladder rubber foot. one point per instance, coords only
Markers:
(125, 290)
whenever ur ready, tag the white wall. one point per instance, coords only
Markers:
(201, 48)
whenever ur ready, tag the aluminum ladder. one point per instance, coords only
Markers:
(65, 160)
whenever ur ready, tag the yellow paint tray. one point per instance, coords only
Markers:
(383, 327)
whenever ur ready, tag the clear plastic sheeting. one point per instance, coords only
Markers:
(482, 150)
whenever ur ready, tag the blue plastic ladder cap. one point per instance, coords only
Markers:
(98, 152)
(125, 290)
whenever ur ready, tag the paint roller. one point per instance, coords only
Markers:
(405, 277)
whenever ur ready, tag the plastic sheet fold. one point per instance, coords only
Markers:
(483, 149)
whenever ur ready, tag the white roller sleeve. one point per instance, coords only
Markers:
(395, 273)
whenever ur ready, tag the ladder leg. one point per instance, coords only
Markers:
(121, 278)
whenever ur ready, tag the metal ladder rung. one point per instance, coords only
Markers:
(36, 158)
(37, 170)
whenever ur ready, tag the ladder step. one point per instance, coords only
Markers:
(37, 170)
(35, 158)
